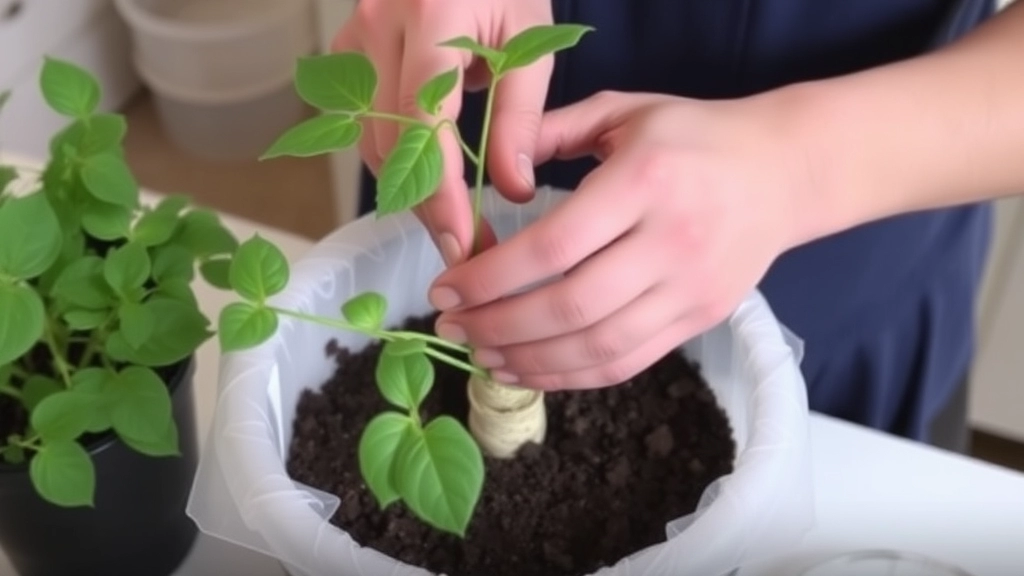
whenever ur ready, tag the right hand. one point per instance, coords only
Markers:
(401, 38)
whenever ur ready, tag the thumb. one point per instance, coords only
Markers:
(518, 108)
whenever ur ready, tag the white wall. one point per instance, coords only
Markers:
(87, 32)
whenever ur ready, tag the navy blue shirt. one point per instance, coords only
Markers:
(886, 309)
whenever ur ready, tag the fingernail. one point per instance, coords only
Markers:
(525, 166)
(487, 358)
(503, 377)
(451, 333)
(449, 248)
(444, 298)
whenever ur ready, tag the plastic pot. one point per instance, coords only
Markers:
(243, 492)
(221, 70)
(138, 525)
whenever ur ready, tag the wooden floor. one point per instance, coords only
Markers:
(295, 195)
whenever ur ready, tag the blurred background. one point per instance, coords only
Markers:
(206, 86)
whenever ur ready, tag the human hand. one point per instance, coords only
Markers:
(401, 37)
(692, 202)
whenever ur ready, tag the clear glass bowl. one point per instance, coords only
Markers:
(884, 563)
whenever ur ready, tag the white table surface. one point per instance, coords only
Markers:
(872, 490)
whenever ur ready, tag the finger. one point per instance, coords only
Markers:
(348, 40)
(609, 340)
(589, 294)
(518, 107)
(622, 369)
(447, 214)
(386, 53)
(587, 128)
(584, 223)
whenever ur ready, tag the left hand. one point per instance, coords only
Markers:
(690, 205)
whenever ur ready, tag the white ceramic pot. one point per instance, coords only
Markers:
(243, 492)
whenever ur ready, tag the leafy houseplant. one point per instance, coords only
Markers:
(98, 320)
(436, 469)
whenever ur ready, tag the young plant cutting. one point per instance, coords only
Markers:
(98, 326)
(428, 452)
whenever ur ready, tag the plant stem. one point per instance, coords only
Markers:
(393, 117)
(481, 160)
(389, 336)
(10, 391)
(405, 335)
(58, 356)
(90, 350)
(462, 143)
(415, 121)
(32, 443)
(19, 372)
(456, 363)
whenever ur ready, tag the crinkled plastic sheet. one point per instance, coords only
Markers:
(243, 493)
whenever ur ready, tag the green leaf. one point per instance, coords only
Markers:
(404, 347)
(243, 325)
(22, 318)
(173, 204)
(68, 88)
(411, 172)
(439, 473)
(82, 284)
(365, 311)
(137, 323)
(339, 82)
(258, 270)
(405, 380)
(178, 331)
(85, 319)
(62, 416)
(317, 135)
(431, 95)
(7, 175)
(63, 474)
(127, 268)
(4, 97)
(493, 57)
(201, 232)
(107, 177)
(535, 42)
(178, 289)
(100, 133)
(36, 389)
(107, 221)
(155, 227)
(378, 447)
(143, 405)
(164, 445)
(100, 386)
(11, 452)
(172, 261)
(30, 236)
(216, 272)
(72, 250)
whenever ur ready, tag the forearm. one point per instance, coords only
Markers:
(939, 130)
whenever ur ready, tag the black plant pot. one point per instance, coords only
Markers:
(138, 526)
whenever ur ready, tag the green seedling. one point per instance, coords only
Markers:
(436, 469)
(95, 297)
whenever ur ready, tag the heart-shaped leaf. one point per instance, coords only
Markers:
(439, 473)
(378, 447)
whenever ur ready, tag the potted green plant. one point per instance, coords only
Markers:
(98, 329)
(420, 462)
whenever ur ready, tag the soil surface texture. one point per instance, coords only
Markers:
(618, 464)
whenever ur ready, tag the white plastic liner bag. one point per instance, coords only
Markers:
(243, 494)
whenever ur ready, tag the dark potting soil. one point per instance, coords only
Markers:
(618, 464)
